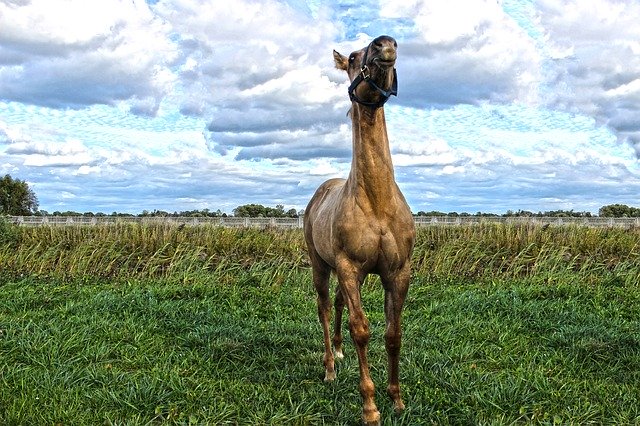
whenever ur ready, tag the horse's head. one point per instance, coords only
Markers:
(374, 65)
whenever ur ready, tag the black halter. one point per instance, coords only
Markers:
(365, 75)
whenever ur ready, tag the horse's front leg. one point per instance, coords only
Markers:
(350, 279)
(396, 287)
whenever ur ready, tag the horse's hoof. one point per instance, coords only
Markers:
(371, 419)
(329, 376)
(339, 354)
(394, 394)
(398, 406)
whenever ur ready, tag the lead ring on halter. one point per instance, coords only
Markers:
(365, 75)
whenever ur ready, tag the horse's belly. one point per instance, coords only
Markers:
(321, 214)
(322, 237)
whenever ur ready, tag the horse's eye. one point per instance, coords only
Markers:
(351, 59)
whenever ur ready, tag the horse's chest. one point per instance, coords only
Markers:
(375, 247)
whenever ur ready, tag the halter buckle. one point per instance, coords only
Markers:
(365, 72)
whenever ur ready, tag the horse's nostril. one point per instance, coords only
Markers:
(388, 53)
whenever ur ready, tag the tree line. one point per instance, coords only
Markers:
(17, 199)
(510, 213)
(610, 210)
(246, 210)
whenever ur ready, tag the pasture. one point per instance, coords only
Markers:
(152, 324)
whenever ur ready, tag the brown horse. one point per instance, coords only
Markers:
(363, 225)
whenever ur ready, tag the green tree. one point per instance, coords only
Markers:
(250, 210)
(277, 212)
(618, 210)
(258, 210)
(16, 198)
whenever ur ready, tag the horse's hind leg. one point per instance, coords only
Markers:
(321, 274)
(337, 330)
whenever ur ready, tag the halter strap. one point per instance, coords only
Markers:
(365, 75)
(385, 94)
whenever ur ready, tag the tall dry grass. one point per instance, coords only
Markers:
(165, 250)
(147, 251)
(516, 251)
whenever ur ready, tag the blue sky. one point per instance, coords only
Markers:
(181, 104)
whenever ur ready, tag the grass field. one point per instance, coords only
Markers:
(198, 325)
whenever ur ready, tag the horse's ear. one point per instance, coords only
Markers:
(342, 63)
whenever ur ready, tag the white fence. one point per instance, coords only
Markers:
(292, 223)
(229, 222)
(582, 221)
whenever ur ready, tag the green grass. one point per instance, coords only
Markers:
(140, 352)
(544, 329)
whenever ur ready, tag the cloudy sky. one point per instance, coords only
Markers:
(126, 105)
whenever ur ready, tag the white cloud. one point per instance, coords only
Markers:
(40, 160)
(599, 72)
(262, 82)
(50, 154)
(67, 195)
(76, 53)
(306, 86)
(67, 148)
(86, 170)
(8, 134)
(464, 51)
(323, 168)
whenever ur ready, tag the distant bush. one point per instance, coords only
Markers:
(9, 233)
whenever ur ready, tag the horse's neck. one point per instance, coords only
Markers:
(371, 179)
